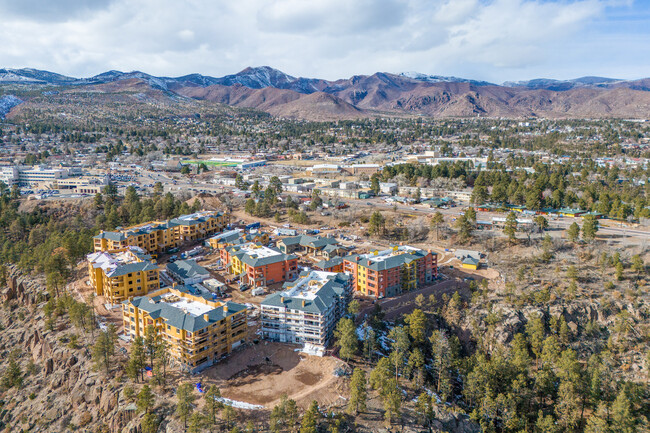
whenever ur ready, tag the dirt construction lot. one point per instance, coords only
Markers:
(261, 373)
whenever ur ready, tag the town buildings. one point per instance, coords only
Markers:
(122, 273)
(198, 330)
(391, 272)
(159, 236)
(307, 310)
(258, 266)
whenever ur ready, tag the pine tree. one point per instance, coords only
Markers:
(510, 228)
(310, 419)
(573, 232)
(621, 414)
(346, 338)
(137, 356)
(436, 221)
(589, 228)
(195, 423)
(464, 228)
(149, 423)
(145, 399)
(184, 403)
(417, 324)
(13, 376)
(104, 348)
(358, 392)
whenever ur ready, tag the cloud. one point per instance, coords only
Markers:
(485, 39)
(53, 10)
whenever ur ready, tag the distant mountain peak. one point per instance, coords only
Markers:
(418, 76)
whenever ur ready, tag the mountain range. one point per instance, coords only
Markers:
(410, 93)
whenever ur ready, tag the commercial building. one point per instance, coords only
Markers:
(391, 272)
(357, 169)
(307, 310)
(31, 176)
(198, 330)
(159, 236)
(123, 273)
(257, 265)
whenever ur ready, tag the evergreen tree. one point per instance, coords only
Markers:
(145, 400)
(358, 392)
(377, 224)
(573, 232)
(436, 221)
(346, 338)
(510, 228)
(184, 403)
(212, 405)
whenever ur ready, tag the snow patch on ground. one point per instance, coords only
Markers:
(8, 102)
(240, 404)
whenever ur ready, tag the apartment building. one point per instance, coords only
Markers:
(187, 272)
(257, 265)
(198, 330)
(391, 272)
(120, 274)
(236, 237)
(307, 310)
(159, 236)
(313, 245)
(332, 265)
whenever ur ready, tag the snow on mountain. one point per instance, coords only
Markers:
(417, 76)
(8, 102)
(561, 85)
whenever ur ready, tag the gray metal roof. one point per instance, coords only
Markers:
(388, 262)
(308, 241)
(325, 264)
(178, 318)
(132, 267)
(235, 251)
(326, 296)
(113, 236)
(187, 269)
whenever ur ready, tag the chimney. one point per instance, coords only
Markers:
(303, 302)
(225, 308)
(282, 299)
(206, 317)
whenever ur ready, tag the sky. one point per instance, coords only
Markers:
(492, 40)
